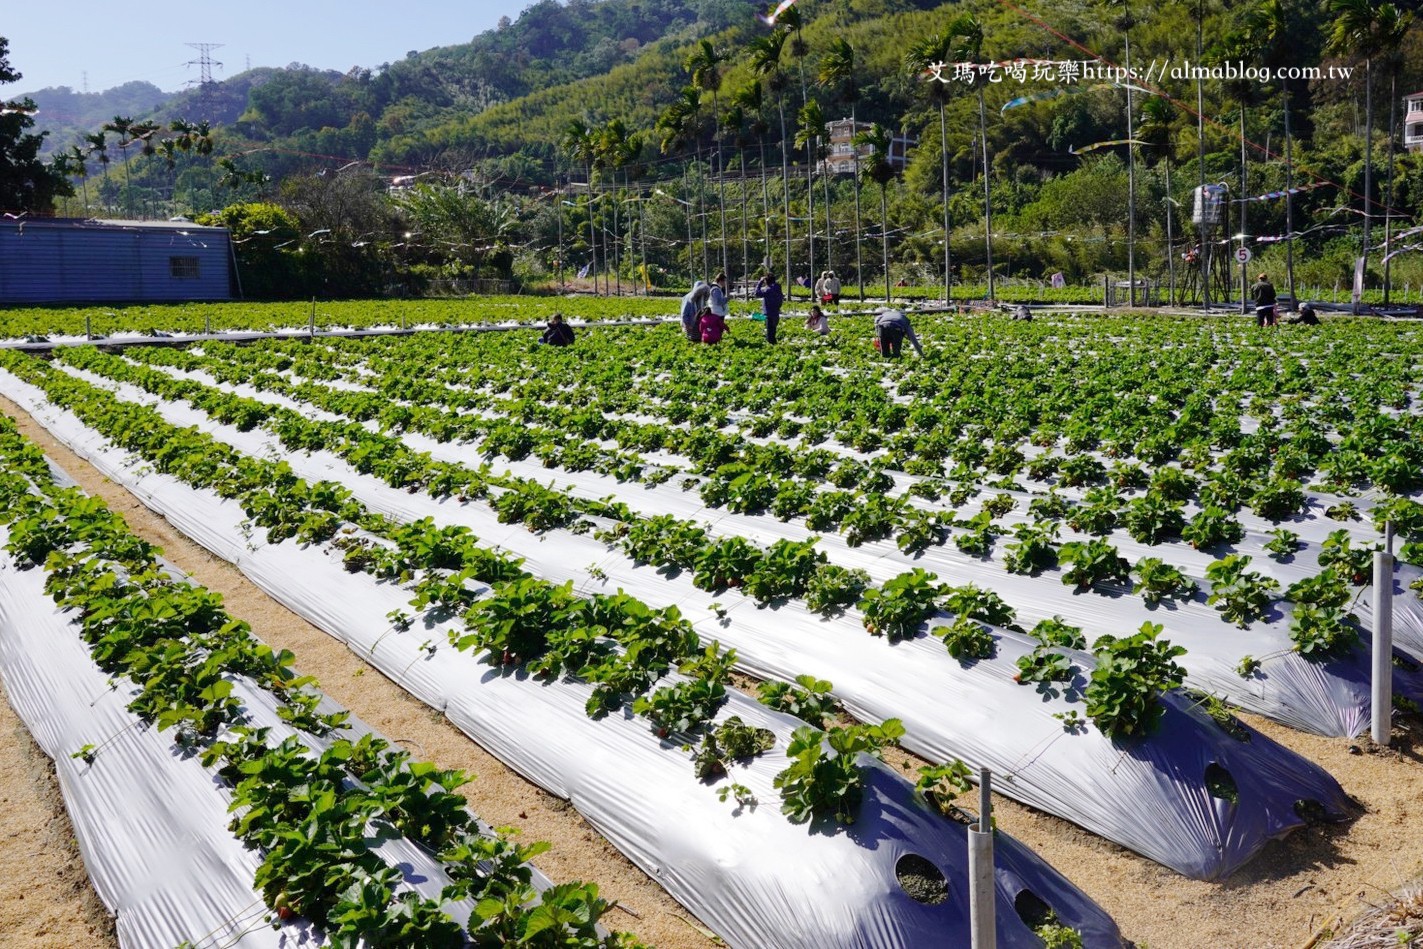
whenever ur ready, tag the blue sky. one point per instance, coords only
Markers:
(54, 45)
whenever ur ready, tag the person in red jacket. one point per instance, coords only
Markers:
(712, 325)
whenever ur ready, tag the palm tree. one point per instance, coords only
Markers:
(1123, 24)
(705, 66)
(77, 157)
(1198, 14)
(967, 47)
(751, 99)
(838, 69)
(766, 64)
(1269, 22)
(122, 126)
(1356, 30)
(931, 52)
(579, 143)
(1240, 45)
(676, 127)
(98, 144)
(1393, 27)
(734, 121)
(1158, 129)
(810, 127)
(878, 166)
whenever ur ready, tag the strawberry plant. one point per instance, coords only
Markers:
(978, 535)
(1099, 515)
(732, 740)
(1158, 580)
(1339, 555)
(919, 531)
(1210, 527)
(1321, 631)
(1173, 484)
(726, 563)
(1080, 471)
(1130, 675)
(682, 707)
(823, 778)
(784, 571)
(1153, 519)
(1242, 596)
(977, 603)
(941, 783)
(512, 624)
(1278, 500)
(874, 518)
(1327, 590)
(834, 588)
(899, 607)
(1056, 632)
(664, 541)
(967, 639)
(998, 505)
(1032, 550)
(1283, 544)
(809, 699)
(1093, 561)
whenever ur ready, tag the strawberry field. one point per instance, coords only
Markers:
(1063, 550)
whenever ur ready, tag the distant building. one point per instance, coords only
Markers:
(59, 260)
(841, 159)
(1413, 122)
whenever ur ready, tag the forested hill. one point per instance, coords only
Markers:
(515, 89)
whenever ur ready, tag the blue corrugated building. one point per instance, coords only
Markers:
(56, 260)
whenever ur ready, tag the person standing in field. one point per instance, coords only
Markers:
(891, 327)
(832, 288)
(719, 301)
(1263, 294)
(771, 297)
(692, 305)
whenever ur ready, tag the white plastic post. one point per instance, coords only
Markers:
(207, 324)
(1383, 640)
(311, 325)
(981, 892)
(88, 328)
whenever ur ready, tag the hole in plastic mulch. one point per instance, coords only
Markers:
(1032, 910)
(1220, 784)
(924, 882)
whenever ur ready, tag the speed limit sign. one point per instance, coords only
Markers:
(1243, 255)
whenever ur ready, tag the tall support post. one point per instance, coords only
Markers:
(1383, 640)
(981, 892)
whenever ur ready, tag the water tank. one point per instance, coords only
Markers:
(1210, 200)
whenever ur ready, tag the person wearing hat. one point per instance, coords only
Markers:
(1307, 316)
(832, 288)
(558, 332)
(891, 327)
(1263, 294)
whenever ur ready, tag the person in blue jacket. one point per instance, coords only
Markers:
(771, 299)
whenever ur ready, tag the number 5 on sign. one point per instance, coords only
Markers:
(1243, 255)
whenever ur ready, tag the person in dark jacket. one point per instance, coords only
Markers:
(558, 332)
(1307, 316)
(1263, 293)
(771, 299)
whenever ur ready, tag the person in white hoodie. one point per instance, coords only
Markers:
(692, 305)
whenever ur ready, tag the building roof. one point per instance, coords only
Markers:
(97, 224)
